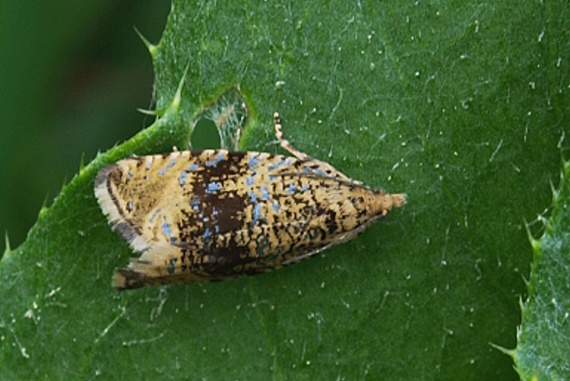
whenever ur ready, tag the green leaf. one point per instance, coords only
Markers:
(544, 337)
(460, 105)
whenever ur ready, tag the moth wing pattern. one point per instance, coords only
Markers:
(211, 215)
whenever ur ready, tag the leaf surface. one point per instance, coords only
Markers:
(459, 105)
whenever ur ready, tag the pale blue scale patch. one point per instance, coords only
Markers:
(305, 188)
(172, 161)
(219, 157)
(252, 197)
(193, 167)
(292, 188)
(264, 193)
(253, 161)
(182, 178)
(249, 180)
(148, 162)
(195, 204)
(214, 211)
(162, 171)
(207, 234)
(276, 206)
(166, 228)
(276, 165)
(213, 187)
(256, 213)
(320, 172)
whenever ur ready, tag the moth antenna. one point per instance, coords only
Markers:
(284, 142)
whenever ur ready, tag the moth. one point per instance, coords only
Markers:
(198, 216)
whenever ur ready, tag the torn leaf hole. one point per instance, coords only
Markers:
(221, 124)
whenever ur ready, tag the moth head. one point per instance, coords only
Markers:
(398, 199)
(386, 202)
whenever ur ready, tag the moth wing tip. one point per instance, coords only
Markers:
(127, 279)
(138, 274)
(120, 280)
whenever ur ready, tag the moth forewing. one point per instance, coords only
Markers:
(211, 215)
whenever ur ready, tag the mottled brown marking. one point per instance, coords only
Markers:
(207, 215)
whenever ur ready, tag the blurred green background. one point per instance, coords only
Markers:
(72, 75)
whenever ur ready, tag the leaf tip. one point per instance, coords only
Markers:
(147, 112)
(535, 244)
(529, 235)
(176, 100)
(509, 352)
(7, 248)
(82, 163)
(150, 47)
